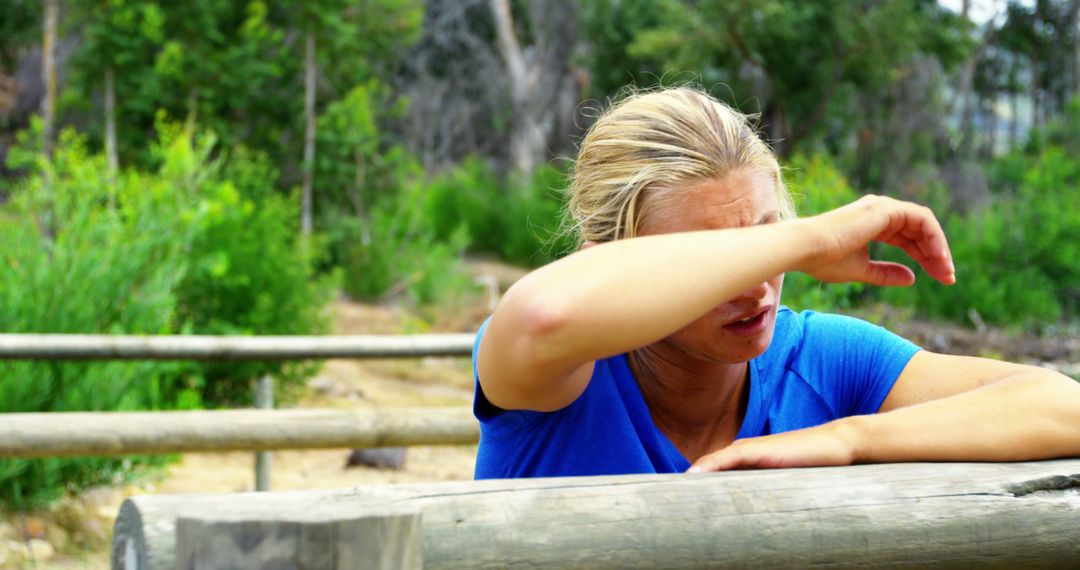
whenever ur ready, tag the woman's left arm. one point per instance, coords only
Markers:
(941, 408)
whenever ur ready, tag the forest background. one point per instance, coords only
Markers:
(227, 166)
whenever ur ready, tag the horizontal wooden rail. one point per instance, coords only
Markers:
(123, 347)
(1002, 515)
(122, 433)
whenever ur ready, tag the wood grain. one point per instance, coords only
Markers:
(387, 540)
(945, 515)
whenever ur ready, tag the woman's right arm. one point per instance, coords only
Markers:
(540, 344)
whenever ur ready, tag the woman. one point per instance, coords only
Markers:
(661, 346)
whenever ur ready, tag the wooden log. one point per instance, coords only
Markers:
(941, 515)
(387, 540)
(121, 347)
(56, 434)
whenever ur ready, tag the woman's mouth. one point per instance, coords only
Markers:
(750, 326)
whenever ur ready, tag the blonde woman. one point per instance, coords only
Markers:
(662, 345)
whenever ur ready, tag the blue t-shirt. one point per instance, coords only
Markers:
(818, 368)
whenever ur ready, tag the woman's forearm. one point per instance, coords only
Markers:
(618, 296)
(1031, 415)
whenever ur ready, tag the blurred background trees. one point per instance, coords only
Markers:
(222, 167)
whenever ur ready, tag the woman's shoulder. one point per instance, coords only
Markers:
(809, 325)
(812, 335)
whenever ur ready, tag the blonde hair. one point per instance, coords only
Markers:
(660, 141)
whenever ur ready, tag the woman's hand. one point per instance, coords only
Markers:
(841, 238)
(831, 444)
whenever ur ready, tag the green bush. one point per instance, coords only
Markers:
(249, 275)
(177, 250)
(469, 198)
(516, 219)
(1016, 257)
(73, 265)
(405, 255)
(416, 236)
(532, 219)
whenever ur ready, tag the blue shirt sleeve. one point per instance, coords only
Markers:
(852, 364)
(495, 421)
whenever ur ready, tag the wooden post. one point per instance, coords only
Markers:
(264, 400)
(939, 515)
(372, 540)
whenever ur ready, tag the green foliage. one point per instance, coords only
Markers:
(611, 26)
(468, 196)
(233, 68)
(796, 61)
(516, 219)
(20, 23)
(101, 270)
(386, 245)
(532, 219)
(404, 255)
(1016, 258)
(355, 165)
(182, 249)
(249, 275)
(413, 240)
(818, 186)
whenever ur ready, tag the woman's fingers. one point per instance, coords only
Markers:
(935, 259)
(888, 274)
(827, 444)
(910, 227)
(735, 457)
(919, 234)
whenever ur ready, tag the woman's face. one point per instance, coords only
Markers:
(741, 328)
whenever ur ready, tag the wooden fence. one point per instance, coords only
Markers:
(126, 347)
(121, 433)
(57, 434)
(1004, 515)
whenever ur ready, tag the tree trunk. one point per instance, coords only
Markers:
(1068, 38)
(522, 143)
(992, 126)
(965, 88)
(48, 71)
(1036, 109)
(193, 108)
(110, 123)
(1014, 102)
(309, 132)
(357, 198)
(538, 83)
(1074, 15)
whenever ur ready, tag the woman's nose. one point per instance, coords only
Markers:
(756, 292)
